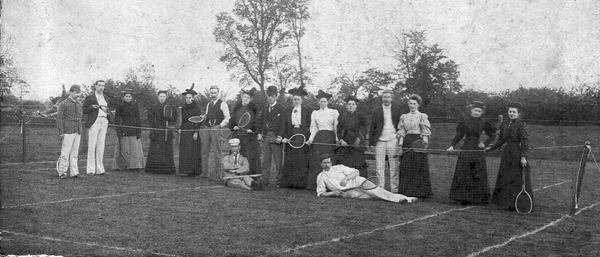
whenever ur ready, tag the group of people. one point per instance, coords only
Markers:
(331, 161)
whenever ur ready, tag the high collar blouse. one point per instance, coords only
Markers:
(414, 123)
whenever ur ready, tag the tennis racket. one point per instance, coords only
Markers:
(295, 141)
(243, 121)
(121, 160)
(579, 179)
(196, 119)
(167, 114)
(523, 201)
(419, 146)
(369, 184)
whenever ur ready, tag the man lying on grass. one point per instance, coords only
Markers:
(235, 167)
(342, 181)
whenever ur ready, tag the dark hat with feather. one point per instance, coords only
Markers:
(251, 92)
(322, 94)
(300, 91)
(190, 91)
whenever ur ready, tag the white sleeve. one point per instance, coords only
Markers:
(225, 110)
(321, 187)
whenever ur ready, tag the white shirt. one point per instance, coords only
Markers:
(414, 123)
(297, 116)
(331, 179)
(323, 119)
(389, 132)
(224, 108)
(101, 102)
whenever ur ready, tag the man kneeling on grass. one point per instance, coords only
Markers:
(342, 181)
(236, 167)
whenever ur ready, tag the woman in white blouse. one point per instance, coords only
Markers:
(414, 168)
(323, 136)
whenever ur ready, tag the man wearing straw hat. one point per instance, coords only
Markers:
(235, 168)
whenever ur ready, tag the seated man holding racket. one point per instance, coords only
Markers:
(236, 167)
(342, 181)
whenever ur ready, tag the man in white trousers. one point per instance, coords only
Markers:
(69, 123)
(98, 114)
(383, 139)
(343, 181)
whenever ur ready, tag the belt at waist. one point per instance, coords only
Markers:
(296, 126)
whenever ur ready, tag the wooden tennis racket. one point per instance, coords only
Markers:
(167, 114)
(243, 122)
(295, 141)
(523, 201)
(374, 183)
(196, 119)
(121, 159)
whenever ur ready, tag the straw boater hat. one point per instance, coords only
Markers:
(322, 94)
(300, 91)
(477, 104)
(190, 91)
(234, 142)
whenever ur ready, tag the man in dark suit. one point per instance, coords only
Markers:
(269, 125)
(383, 140)
(98, 114)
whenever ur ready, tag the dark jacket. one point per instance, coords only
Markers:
(159, 121)
(128, 114)
(92, 113)
(69, 116)
(376, 126)
(252, 108)
(286, 130)
(352, 126)
(270, 121)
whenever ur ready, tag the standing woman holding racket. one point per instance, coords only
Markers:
(190, 161)
(127, 123)
(351, 130)
(245, 125)
(323, 127)
(160, 154)
(293, 133)
(513, 165)
(470, 182)
(414, 167)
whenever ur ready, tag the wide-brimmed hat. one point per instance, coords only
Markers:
(250, 92)
(300, 91)
(322, 94)
(272, 90)
(190, 91)
(352, 98)
(128, 91)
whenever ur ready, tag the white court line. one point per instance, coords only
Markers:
(372, 231)
(396, 225)
(533, 232)
(124, 249)
(109, 196)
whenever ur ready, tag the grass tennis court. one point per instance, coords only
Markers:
(139, 214)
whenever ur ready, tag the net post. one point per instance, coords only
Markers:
(24, 137)
(577, 188)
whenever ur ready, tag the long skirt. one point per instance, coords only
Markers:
(250, 149)
(353, 157)
(508, 182)
(324, 142)
(470, 182)
(190, 160)
(160, 156)
(132, 150)
(414, 178)
(295, 165)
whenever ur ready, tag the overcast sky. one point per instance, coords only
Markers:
(498, 44)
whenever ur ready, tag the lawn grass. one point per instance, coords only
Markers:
(150, 215)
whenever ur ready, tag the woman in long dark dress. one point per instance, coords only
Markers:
(190, 161)
(128, 114)
(249, 146)
(323, 126)
(470, 182)
(296, 120)
(514, 159)
(414, 178)
(160, 155)
(351, 131)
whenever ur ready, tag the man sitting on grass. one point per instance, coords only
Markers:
(342, 181)
(236, 167)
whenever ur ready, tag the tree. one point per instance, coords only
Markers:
(250, 36)
(424, 69)
(365, 86)
(295, 21)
